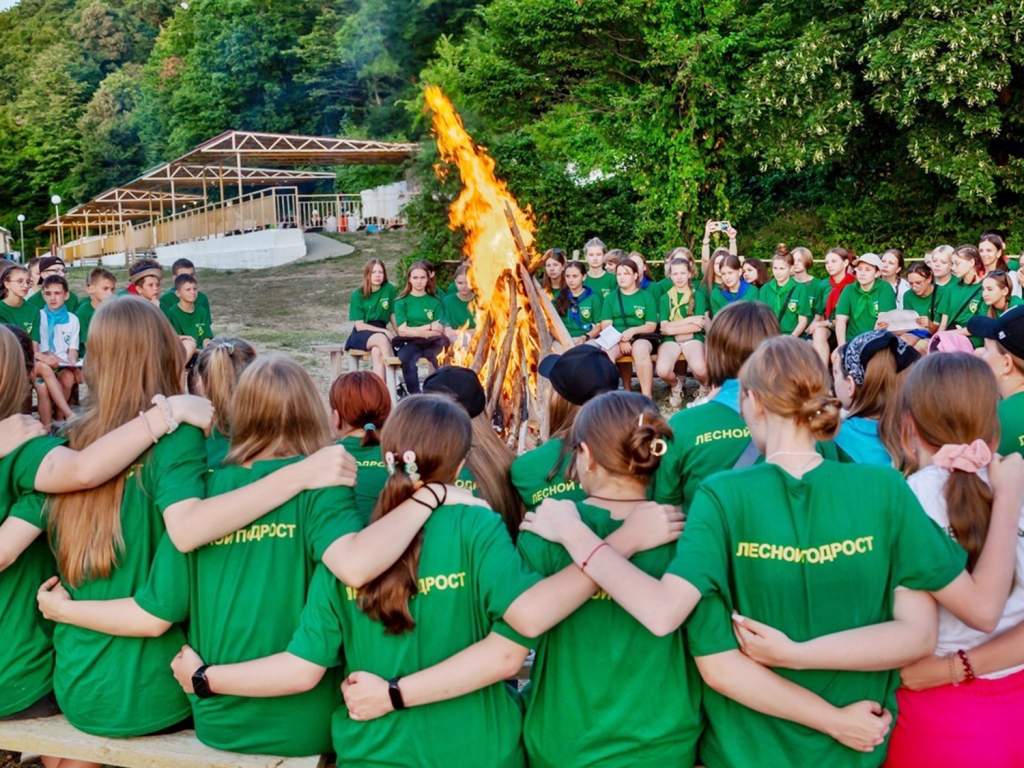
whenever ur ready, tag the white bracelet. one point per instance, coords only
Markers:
(165, 408)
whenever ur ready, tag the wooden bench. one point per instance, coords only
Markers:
(57, 737)
(338, 365)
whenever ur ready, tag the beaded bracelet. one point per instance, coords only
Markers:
(968, 669)
(165, 408)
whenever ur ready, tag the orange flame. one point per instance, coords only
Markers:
(480, 210)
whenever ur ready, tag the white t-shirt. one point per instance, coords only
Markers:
(65, 336)
(954, 635)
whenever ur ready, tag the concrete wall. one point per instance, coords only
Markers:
(253, 250)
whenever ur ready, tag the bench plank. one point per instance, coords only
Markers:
(56, 736)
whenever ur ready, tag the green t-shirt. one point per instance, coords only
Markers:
(813, 289)
(598, 643)
(640, 308)
(469, 574)
(706, 439)
(672, 308)
(25, 317)
(721, 298)
(26, 653)
(1011, 423)
(169, 299)
(417, 311)
(530, 476)
(960, 302)
(589, 314)
(466, 480)
(195, 323)
(84, 314)
(759, 533)
(217, 447)
(1015, 301)
(862, 307)
(653, 288)
(123, 686)
(924, 306)
(602, 285)
(37, 301)
(820, 300)
(377, 307)
(371, 474)
(789, 302)
(456, 313)
(243, 596)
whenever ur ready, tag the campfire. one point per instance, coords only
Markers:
(516, 323)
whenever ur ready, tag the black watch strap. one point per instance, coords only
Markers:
(396, 694)
(200, 685)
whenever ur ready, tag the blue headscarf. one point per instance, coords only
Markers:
(54, 317)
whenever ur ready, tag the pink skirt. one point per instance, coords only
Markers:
(974, 724)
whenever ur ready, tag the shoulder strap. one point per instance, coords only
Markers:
(963, 306)
(935, 294)
(622, 305)
(748, 457)
(782, 311)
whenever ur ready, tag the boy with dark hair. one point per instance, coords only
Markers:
(99, 286)
(50, 266)
(144, 278)
(170, 297)
(59, 334)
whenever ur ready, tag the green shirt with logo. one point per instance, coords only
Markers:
(123, 686)
(217, 447)
(598, 643)
(456, 313)
(789, 302)
(417, 311)
(862, 307)
(377, 307)
(634, 310)
(242, 596)
(25, 317)
(961, 302)
(759, 533)
(169, 299)
(590, 314)
(672, 307)
(602, 285)
(469, 573)
(721, 298)
(194, 324)
(530, 475)
(26, 653)
(925, 306)
(371, 474)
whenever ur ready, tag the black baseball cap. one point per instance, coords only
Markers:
(1007, 329)
(461, 384)
(581, 374)
(49, 262)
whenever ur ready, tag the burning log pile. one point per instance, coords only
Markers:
(516, 322)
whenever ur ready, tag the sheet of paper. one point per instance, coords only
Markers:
(608, 338)
(900, 320)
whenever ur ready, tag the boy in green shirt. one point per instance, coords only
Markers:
(170, 297)
(187, 319)
(52, 265)
(598, 279)
(100, 286)
(859, 304)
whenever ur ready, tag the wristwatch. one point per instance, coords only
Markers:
(396, 694)
(200, 685)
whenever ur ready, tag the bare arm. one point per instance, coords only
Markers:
(912, 634)
(860, 726)
(841, 322)
(1004, 651)
(15, 537)
(800, 326)
(282, 674)
(121, 618)
(978, 598)
(192, 523)
(66, 471)
(660, 605)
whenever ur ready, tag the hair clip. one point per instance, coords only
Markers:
(659, 447)
(411, 469)
(369, 427)
(389, 462)
(640, 423)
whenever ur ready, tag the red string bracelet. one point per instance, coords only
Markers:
(586, 562)
(968, 669)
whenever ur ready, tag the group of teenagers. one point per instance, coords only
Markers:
(821, 564)
(37, 299)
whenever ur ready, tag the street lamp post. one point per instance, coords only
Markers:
(21, 226)
(60, 235)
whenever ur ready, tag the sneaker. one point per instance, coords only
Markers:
(700, 398)
(675, 395)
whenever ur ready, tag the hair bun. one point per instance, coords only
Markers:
(822, 416)
(647, 446)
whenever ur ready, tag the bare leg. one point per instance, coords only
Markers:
(49, 378)
(820, 342)
(379, 346)
(66, 377)
(644, 366)
(45, 405)
(694, 353)
(64, 762)
(668, 354)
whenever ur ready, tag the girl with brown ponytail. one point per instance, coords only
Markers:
(217, 370)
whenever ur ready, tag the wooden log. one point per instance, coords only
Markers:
(497, 375)
(483, 343)
(555, 323)
(532, 291)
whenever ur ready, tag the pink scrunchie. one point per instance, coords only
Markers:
(966, 458)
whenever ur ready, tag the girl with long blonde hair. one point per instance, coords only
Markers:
(218, 368)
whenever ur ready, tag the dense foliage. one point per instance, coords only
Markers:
(869, 123)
